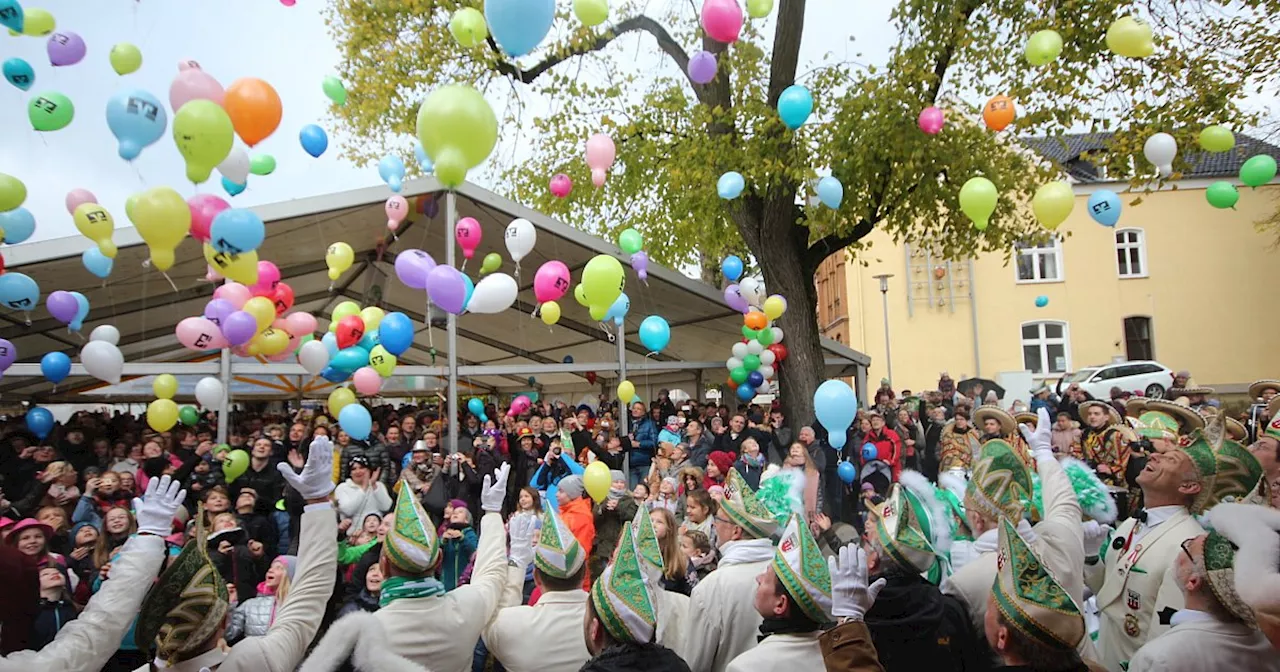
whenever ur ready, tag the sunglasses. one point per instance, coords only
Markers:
(1183, 545)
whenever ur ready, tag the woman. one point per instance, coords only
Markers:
(117, 526)
(798, 458)
(718, 465)
(677, 574)
(361, 494)
(751, 464)
(254, 616)
(63, 491)
(56, 607)
(457, 545)
(56, 518)
(912, 439)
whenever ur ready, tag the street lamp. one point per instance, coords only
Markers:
(884, 295)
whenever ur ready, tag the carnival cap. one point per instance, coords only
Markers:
(558, 553)
(1000, 483)
(741, 506)
(411, 544)
(1029, 598)
(624, 600)
(802, 570)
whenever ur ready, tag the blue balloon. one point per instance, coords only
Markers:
(830, 192)
(476, 406)
(18, 71)
(471, 289)
(18, 291)
(655, 333)
(1042, 301)
(1104, 207)
(236, 231)
(137, 119)
(391, 170)
(746, 392)
(730, 185)
(731, 268)
(17, 225)
(349, 359)
(11, 15)
(96, 262)
(81, 312)
(314, 140)
(755, 379)
(232, 188)
(330, 342)
(847, 471)
(355, 421)
(55, 366)
(568, 359)
(835, 404)
(396, 333)
(618, 311)
(794, 106)
(369, 340)
(519, 25)
(424, 161)
(39, 421)
(335, 375)
(869, 451)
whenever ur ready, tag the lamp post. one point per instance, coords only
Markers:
(884, 295)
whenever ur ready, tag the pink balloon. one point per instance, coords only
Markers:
(234, 292)
(551, 282)
(561, 185)
(204, 207)
(200, 333)
(194, 84)
(601, 154)
(211, 275)
(397, 209)
(78, 197)
(300, 324)
(722, 19)
(366, 381)
(518, 405)
(288, 3)
(268, 279)
(931, 120)
(188, 64)
(467, 232)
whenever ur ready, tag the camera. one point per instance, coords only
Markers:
(1142, 445)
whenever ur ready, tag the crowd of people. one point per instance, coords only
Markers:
(944, 534)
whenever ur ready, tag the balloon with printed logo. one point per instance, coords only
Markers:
(752, 290)
(733, 298)
(349, 331)
(55, 367)
(236, 231)
(520, 237)
(835, 405)
(339, 258)
(396, 209)
(39, 422)
(50, 111)
(13, 17)
(395, 333)
(36, 23)
(354, 419)
(549, 312)
(254, 108)
(101, 359)
(19, 292)
(16, 226)
(551, 281)
(242, 268)
(234, 464)
(1104, 207)
(580, 296)
(268, 279)
(618, 311)
(655, 333)
(19, 73)
(456, 125)
(137, 119)
(96, 224)
(978, 199)
(999, 112)
(467, 233)
(204, 135)
(162, 219)
(519, 25)
(382, 361)
(65, 48)
(269, 342)
(200, 334)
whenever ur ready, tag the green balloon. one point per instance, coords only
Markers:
(1258, 170)
(765, 336)
(50, 111)
(468, 27)
(978, 199)
(738, 375)
(1043, 47)
(1217, 138)
(630, 241)
(262, 164)
(492, 262)
(334, 90)
(13, 193)
(749, 333)
(458, 130)
(234, 464)
(758, 9)
(204, 135)
(125, 58)
(751, 362)
(188, 415)
(1222, 195)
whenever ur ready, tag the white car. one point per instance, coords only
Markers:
(1150, 379)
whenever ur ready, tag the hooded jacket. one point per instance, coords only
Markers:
(915, 627)
(636, 658)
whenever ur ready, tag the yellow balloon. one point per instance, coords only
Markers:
(774, 306)
(262, 310)
(596, 480)
(95, 223)
(342, 310)
(1052, 204)
(271, 341)
(382, 361)
(1130, 37)
(162, 415)
(550, 313)
(339, 398)
(372, 317)
(602, 281)
(37, 23)
(165, 386)
(162, 218)
(626, 391)
(339, 258)
(241, 268)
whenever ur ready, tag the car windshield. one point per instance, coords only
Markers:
(1081, 375)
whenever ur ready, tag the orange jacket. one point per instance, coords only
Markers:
(581, 521)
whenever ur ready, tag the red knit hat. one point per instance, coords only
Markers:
(723, 461)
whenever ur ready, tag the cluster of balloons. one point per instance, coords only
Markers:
(164, 413)
(632, 242)
(353, 417)
(550, 283)
(600, 289)
(452, 290)
(836, 405)
(250, 320)
(755, 358)
(362, 345)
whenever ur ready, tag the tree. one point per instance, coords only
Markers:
(675, 138)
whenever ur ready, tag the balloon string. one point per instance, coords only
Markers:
(612, 338)
(166, 277)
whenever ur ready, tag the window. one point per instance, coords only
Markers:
(1138, 344)
(1131, 254)
(1040, 261)
(1044, 348)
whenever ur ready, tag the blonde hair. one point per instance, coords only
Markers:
(675, 564)
(282, 591)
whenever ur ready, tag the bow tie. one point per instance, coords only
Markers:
(1141, 516)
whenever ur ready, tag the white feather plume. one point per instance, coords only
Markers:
(939, 514)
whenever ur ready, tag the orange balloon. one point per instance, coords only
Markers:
(755, 320)
(254, 108)
(999, 113)
(732, 385)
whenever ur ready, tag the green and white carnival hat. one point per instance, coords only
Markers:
(411, 544)
(647, 539)
(912, 524)
(558, 553)
(741, 506)
(1238, 473)
(802, 570)
(1029, 597)
(1205, 463)
(623, 598)
(1000, 484)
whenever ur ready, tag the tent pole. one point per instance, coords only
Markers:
(624, 412)
(451, 216)
(224, 374)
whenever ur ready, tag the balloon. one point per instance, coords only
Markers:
(618, 310)
(242, 268)
(200, 334)
(262, 310)
(313, 357)
(476, 407)
(869, 451)
(339, 258)
(1052, 204)
(424, 161)
(491, 263)
(188, 415)
(372, 317)
(281, 298)
(205, 135)
(342, 310)
(313, 139)
(755, 379)
(268, 279)
(655, 333)
(1131, 38)
(105, 332)
(413, 266)
(765, 370)
(366, 381)
(467, 26)
(731, 268)
(165, 386)
(194, 84)
(702, 67)
(746, 392)
(340, 398)
(55, 367)
(12, 17)
(76, 198)
(1160, 149)
(232, 188)
(756, 320)
(520, 238)
(350, 330)
(101, 359)
(1258, 170)
(767, 358)
(626, 391)
(1042, 301)
(550, 313)
(234, 464)
(447, 289)
(19, 73)
(752, 361)
(40, 422)
(236, 166)
(774, 306)
(1217, 138)
(722, 19)
(795, 105)
(730, 185)
(254, 108)
(830, 192)
(494, 294)
(733, 299)
(1219, 194)
(391, 170)
(999, 112)
(334, 90)
(95, 223)
(551, 281)
(18, 291)
(382, 361)
(835, 405)
(847, 471)
(1043, 47)
(16, 226)
(931, 120)
(65, 48)
(579, 296)
(467, 233)
(630, 241)
(597, 481)
(396, 210)
(758, 9)
(601, 153)
(978, 199)
(125, 58)
(355, 421)
(395, 333)
(96, 263)
(640, 262)
(210, 392)
(262, 164)
(236, 231)
(518, 25)
(1104, 207)
(50, 111)
(239, 327)
(602, 280)
(37, 23)
(163, 219)
(137, 119)
(456, 125)
(561, 185)
(752, 290)
(13, 193)
(204, 207)
(300, 324)
(591, 12)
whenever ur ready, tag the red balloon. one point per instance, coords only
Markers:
(350, 330)
(1, 265)
(283, 298)
(779, 351)
(591, 377)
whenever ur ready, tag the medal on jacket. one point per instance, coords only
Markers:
(1131, 625)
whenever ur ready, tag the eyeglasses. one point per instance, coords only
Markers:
(1183, 545)
(724, 521)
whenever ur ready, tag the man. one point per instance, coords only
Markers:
(722, 617)
(644, 441)
(558, 565)
(958, 444)
(1267, 451)
(1127, 577)
(1197, 396)
(780, 435)
(1031, 623)
(1040, 399)
(1255, 530)
(1216, 629)
(793, 596)
(262, 475)
(887, 443)
(1065, 437)
(1102, 442)
(996, 423)
(731, 440)
(700, 445)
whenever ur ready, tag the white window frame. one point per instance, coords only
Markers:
(1044, 342)
(1039, 251)
(1140, 245)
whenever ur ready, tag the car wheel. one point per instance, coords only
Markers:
(1154, 391)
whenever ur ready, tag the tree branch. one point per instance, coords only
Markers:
(944, 59)
(825, 247)
(631, 25)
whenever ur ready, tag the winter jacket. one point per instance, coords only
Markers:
(252, 618)
(888, 448)
(364, 601)
(259, 526)
(848, 647)
(457, 554)
(611, 460)
(636, 658)
(915, 627)
(750, 472)
(700, 449)
(355, 502)
(238, 566)
(608, 525)
(646, 443)
(377, 455)
(268, 483)
(52, 616)
(581, 521)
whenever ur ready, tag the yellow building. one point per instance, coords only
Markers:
(1175, 280)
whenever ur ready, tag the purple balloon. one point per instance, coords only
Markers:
(702, 67)
(447, 289)
(413, 266)
(8, 354)
(640, 262)
(65, 48)
(62, 306)
(239, 328)
(217, 310)
(733, 297)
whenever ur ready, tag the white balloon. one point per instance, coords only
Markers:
(520, 238)
(766, 371)
(313, 356)
(494, 294)
(777, 334)
(767, 358)
(236, 166)
(103, 361)
(752, 290)
(105, 332)
(209, 391)
(754, 347)
(733, 363)
(740, 350)
(1160, 149)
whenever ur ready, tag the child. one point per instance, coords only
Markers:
(252, 517)
(667, 497)
(228, 547)
(84, 539)
(458, 544)
(254, 616)
(697, 547)
(698, 512)
(528, 512)
(56, 607)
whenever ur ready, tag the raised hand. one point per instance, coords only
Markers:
(155, 509)
(316, 480)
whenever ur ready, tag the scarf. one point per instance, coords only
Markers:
(753, 461)
(989, 542)
(747, 550)
(398, 587)
(617, 495)
(796, 623)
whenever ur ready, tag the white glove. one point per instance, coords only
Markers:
(521, 535)
(1039, 439)
(851, 597)
(1094, 535)
(494, 493)
(316, 479)
(155, 509)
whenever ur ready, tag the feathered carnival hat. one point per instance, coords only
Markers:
(1255, 563)
(1001, 482)
(1095, 500)
(741, 506)
(913, 526)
